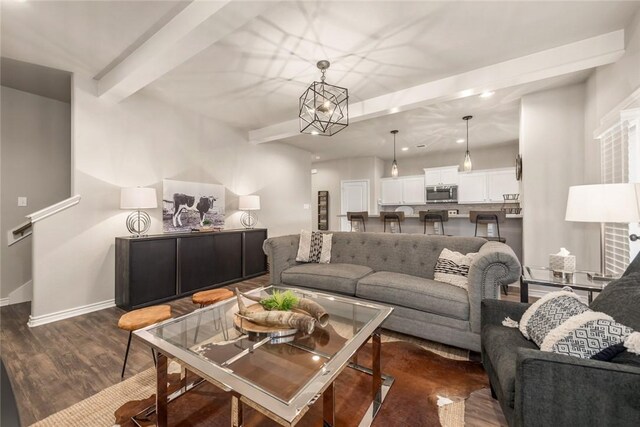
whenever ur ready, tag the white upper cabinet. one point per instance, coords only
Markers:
(472, 187)
(391, 191)
(413, 190)
(501, 182)
(446, 175)
(403, 190)
(487, 186)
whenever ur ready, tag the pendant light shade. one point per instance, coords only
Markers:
(467, 166)
(323, 108)
(394, 165)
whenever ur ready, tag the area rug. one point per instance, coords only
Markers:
(429, 390)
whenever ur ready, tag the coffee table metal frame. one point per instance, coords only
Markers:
(243, 392)
(544, 276)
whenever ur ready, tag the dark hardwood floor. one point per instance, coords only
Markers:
(56, 365)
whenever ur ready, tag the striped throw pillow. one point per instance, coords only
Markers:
(314, 247)
(453, 267)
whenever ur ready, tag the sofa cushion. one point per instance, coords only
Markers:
(620, 299)
(338, 278)
(501, 344)
(415, 292)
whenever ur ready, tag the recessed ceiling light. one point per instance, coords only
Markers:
(487, 94)
(317, 157)
(314, 132)
(460, 141)
(405, 148)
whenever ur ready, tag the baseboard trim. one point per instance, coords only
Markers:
(72, 312)
(4, 301)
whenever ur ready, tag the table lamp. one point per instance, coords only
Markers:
(603, 203)
(138, 198)
(249, 204)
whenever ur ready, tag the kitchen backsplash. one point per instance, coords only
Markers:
(462, 209)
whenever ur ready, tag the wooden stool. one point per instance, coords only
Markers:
(211, 296)
(360, 218)
(141, 318)
(434, 217)
(205, 298)
(392, 217)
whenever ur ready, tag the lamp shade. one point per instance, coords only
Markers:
(249, 203)
(138, 198)
(603, 203)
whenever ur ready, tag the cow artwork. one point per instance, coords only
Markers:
(183, 202)
(190, 206)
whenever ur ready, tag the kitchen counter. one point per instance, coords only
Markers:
(465, 216)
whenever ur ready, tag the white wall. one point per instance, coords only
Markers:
(36, 152)
(552, 148)
(329, 175)
(500, 156)
(139, 142)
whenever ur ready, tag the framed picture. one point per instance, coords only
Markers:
(191, 205)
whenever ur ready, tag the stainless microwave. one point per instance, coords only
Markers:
(442, 194)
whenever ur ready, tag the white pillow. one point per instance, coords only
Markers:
(453, 267)
(314, 247)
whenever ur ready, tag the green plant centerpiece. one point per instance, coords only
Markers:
(282, 301)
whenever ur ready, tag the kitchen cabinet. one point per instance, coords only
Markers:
(408, 190)
(446, 175)
(487, 186)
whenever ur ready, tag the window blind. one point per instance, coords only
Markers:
(615, 169)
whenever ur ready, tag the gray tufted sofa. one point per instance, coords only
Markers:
(397, 269)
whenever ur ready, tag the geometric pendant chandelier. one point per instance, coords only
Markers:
(324, 108)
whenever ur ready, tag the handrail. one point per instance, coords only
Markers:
(54, 209)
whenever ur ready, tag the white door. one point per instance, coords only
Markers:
(413, 190)
(501, 182)
(354, 198)
(391, 191)
(472, 187)
(633, 136)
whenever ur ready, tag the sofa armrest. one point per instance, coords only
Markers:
(281, 253)
(495, 265)
(554, 389)
(494, 311)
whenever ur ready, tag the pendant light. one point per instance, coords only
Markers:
(466, 166)
(323, 108)
(394, 165)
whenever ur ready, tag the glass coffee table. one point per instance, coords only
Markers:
(581, 280)
(281, 377)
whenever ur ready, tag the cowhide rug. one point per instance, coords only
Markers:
(421, 377)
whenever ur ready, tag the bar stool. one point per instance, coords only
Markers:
(141, 318)
(488, 217)
(391, 218)
(434, 217)
(360, 218)
(205, 298)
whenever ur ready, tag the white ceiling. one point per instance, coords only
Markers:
(253, 77)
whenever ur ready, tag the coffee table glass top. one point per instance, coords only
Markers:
(292, 370)
(544, 276)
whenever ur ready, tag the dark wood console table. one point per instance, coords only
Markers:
(162, 267)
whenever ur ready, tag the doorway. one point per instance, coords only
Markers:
(354, 197)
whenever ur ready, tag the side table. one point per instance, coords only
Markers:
(544, 277)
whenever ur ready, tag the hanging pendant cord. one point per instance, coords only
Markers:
(467, 136)
(394, 147)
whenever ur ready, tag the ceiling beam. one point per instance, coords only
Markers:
(585, 54)
(193, 29)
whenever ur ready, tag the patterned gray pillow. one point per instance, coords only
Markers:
(590, 335)
(314, 247)
(549, 312)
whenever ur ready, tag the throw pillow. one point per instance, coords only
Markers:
(590, 335)
(549, 312)
(314, 247)
(453, 267)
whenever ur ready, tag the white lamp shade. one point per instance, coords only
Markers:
(138, 198)
(603, 203)
(249, 203)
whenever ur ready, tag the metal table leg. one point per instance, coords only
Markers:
(161, 390)
(328, 407)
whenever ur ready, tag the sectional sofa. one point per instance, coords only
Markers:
(398, 270)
